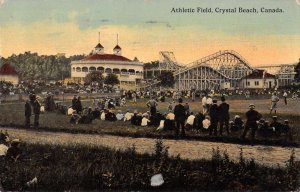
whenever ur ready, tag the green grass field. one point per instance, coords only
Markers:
(12, 114)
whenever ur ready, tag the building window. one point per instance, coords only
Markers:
(124, 70)
(256, 83)
(73, 68)
(131, 71)
(108, 70)
(92, 69)
(78, 69)
(116, 71)
(85, 69)
(101, 69)
(248, 83)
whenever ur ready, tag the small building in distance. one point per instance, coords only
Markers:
(129, 72)
(9, 74)
(259, 79)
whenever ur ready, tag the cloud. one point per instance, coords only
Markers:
(167, 24)
(104, 20)
(151, 22)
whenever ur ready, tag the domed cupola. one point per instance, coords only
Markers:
(117, 50)
(99, 49)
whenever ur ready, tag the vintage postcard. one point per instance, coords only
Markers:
(139, 95)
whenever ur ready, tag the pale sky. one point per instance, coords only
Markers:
(146, 27)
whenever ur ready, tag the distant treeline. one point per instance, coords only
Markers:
(31, 66)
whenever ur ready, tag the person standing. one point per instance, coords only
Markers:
(78, 105)
(152, 104)
(193, 95)
(36, 110)
(252, 117)
(209, 103)
(28, 112)
(187, 109)
(74, 102)
(204, 104)
(134, 97)
(274, 101)
(179, 112)
(224, 115)
(285, 97)
(214, 115)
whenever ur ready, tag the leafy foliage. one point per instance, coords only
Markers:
(31, 66)
(111, 79)
(60, 168)
(5, 87)
(297, 70)
(152, 64)
(166, 78)
(94, 77)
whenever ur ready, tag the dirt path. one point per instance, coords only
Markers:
(268, 155)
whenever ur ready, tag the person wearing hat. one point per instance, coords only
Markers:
(224, 115)
(179, 112)
(251, 123)
(238, 123)
(274, 101)
(214, 117)
(287, 131)
(152, 104)
(32, 106)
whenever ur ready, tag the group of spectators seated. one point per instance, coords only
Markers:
(274, 128)
(9, 149)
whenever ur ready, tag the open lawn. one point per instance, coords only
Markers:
(12, 114)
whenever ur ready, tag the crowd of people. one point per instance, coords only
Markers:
(213, 119)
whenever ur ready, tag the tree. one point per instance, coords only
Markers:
(297, 70)
(94, 77)
(111, 79)
(166, 79)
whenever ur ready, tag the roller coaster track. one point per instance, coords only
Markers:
(216, 66)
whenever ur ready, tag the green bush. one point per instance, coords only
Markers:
(59, 168)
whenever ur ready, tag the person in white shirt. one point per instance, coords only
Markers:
(169, 123)
(204, 99)
(120, 115)
(102, 116)
(42, 109)
(134, 97)
(128, 116)
(206, 122)
(145, 121)
(190, 121)
(285, 97)
(70, 111)
(161, 125)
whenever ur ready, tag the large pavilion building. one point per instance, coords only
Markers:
(130, 72)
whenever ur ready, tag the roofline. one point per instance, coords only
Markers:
(107, 62)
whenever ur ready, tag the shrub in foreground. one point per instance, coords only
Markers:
(90, 168)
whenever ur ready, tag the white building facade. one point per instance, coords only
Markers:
(130, 72)
(259, 79)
